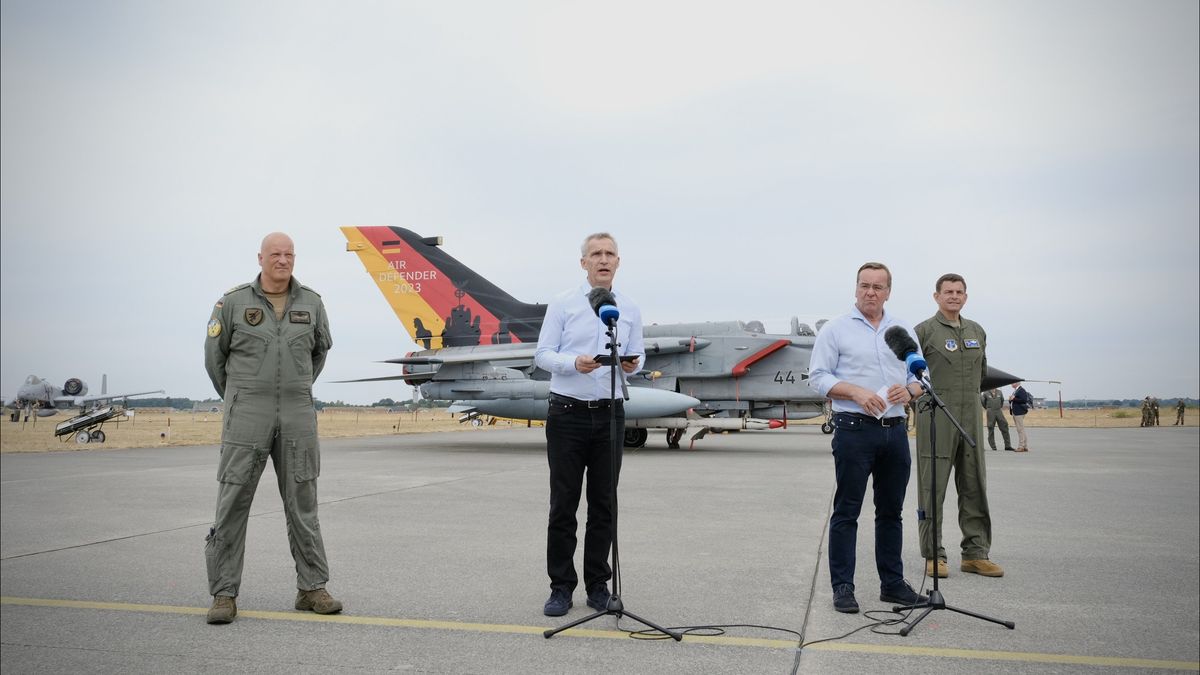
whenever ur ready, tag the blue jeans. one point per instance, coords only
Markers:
(863, 448)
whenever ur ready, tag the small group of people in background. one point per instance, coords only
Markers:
(1150, 412)
(1019, 404)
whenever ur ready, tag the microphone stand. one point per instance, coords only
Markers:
(936, 601)
(615, 606)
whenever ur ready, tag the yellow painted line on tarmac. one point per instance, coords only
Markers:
(723, 640)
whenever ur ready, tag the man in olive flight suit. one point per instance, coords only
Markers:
(993, 403)
(267, 342)
(955, 349)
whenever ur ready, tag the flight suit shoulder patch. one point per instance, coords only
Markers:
(214, 327)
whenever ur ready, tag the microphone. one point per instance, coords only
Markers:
(604, 304)
(905, 349)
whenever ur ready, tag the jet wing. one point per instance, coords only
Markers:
(486, 353)
(452, 362)
(83, 400)
(996, 378)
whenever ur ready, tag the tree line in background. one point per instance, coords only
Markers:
(1119, 403)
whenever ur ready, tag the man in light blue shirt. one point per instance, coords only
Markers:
(578, 435)
(852, 365)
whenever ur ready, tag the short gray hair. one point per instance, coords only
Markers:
(597, 235)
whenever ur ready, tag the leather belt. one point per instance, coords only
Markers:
(870, 419)
(578, 403)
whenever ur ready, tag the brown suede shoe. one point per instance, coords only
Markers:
(223, 609)
(943, 570)
(318, 601)
(983, 567)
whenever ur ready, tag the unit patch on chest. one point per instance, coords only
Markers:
(951, 345)
(254, 316)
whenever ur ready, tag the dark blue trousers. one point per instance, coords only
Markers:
(578, 441)
(861, 449)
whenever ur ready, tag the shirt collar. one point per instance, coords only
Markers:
(946, 322)
(884, 321)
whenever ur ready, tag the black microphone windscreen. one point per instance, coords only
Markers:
(599, 296)
(900, 342)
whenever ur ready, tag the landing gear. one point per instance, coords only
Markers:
(636, 438)
(673, 436)
(827, 411)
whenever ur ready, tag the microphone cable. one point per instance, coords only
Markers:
(880, 619)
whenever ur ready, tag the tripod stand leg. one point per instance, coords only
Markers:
(1007, 624)
(617, 613)
(908, 627)
(549, 633)
(676, 636)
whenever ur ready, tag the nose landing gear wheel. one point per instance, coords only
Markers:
(635, 438)
(827, 428)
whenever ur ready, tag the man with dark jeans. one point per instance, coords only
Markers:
(852, 365)
(578, 434)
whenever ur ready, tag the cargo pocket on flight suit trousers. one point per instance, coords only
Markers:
(235, 471)
(304, 529)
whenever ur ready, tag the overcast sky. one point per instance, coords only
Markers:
(748, 157)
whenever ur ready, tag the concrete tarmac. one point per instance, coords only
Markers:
(436, 545)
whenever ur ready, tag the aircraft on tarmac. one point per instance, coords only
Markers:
(47, 399)
(37, 396)
(478, 346)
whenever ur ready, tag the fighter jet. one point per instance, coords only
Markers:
(39, 397)
(478, 345)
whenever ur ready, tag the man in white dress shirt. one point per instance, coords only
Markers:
(852, 364)
(577, 428)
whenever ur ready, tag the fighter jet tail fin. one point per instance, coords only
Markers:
(440, 301)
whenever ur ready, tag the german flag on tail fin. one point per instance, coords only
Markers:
(440, 301)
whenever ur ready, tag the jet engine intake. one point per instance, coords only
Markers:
(74, 387)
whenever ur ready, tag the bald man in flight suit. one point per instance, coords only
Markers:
(267, 342)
